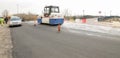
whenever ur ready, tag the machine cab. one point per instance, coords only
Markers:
(50, 9)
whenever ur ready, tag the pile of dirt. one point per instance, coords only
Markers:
(116, 24)
(112, 19)
(5, 42)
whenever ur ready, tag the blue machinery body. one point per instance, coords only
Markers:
(52, 21)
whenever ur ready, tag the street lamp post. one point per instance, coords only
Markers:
(99, 14)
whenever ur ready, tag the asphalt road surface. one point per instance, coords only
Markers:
(44, 41)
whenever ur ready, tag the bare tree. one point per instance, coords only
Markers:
(66, 12)
(5, 13)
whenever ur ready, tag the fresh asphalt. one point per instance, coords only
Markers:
(43, 41)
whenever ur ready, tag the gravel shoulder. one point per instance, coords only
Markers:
(5, 42)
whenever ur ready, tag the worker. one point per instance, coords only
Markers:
(1, 21)
(6, 20)
(35, 19)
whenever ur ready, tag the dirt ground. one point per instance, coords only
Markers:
(5, 42)
(110, 24)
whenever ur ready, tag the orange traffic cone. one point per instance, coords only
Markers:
(34, 24)
(59, 27)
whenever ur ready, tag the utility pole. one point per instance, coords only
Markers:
(110, 12)
(17, 8)
(83, 13)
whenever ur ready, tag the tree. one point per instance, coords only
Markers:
(5, 13)
(67, 12)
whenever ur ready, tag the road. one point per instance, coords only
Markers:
(44, 41)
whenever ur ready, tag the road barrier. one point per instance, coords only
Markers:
(84, 20)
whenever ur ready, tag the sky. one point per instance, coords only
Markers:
(75, 7)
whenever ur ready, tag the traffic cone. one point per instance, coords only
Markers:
(34, 24)
(59, 27)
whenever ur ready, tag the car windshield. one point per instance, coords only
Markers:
(55, 10)
(15, 19)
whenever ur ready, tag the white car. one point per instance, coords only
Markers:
(15, 21)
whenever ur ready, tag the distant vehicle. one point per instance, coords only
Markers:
(51, 16)
(15, 21)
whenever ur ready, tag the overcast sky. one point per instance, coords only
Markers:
(75, 7)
